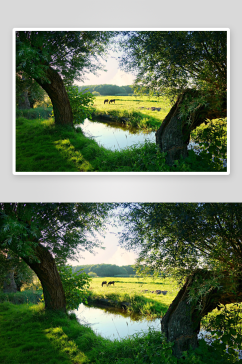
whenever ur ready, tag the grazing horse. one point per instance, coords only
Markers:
(109, 283)
(105, 101)
(112, 101)
(104, 282)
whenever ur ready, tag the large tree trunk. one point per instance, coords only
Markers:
(59, 98)
(49, 277)
(9, 284)
(23, 101)
(173, 136)
(181, 323)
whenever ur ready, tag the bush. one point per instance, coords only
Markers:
(81, 104)
(21, 297)
(75, 286)
(37, 113)
(92, 274)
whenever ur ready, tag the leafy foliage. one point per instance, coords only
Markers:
(75, 286)
(225, 329)
(70, 53)
(63, 228)
(169, 61)
(80, 104)
(181, 237)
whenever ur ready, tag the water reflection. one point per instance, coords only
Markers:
(114, 136)
(113, 323)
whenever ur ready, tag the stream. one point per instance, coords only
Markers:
(113, 323)
(118, 136)
(114, 136)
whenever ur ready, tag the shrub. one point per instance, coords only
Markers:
(37, 113)
(75, 286)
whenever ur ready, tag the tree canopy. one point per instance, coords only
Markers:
(70, 53)
(54, 59)
(45, 233)
(105, 90)
(176, 59)
(106, 270)
(182, 237)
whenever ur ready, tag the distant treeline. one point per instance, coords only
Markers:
(107, 90)
(106, 270)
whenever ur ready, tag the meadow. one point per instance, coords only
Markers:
(137, 292)
(137, 109)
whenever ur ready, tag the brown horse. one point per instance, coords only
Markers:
(112, 101)
(104, 282)
(109, 283)
(105, 101)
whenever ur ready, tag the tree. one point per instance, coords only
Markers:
(189, 65)
(199, 243)
(57, 58)
(43, 234)
(28, 91)
(14, 272)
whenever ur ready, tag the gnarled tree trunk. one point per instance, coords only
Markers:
(59, 98)
(49, 277)
(181, 323)
(23, 101)
(9, 284)
(173, 136)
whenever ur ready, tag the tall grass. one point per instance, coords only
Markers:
(37, 113)
(21, 297)
(31, 335)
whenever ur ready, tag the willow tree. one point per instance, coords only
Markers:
(201, 244)
(42, 234)
(188, 66)
(56, 58)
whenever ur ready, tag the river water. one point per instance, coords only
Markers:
(113, 323)
(115, 136)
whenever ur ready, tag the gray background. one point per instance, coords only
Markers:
(122, 14)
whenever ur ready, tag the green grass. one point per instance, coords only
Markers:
(135, 108)
(42, 146)
(28, 335)
(132, 290)
(27, 296)
(36, 113)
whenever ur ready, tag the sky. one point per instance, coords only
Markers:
(113, 76)
(112, 254)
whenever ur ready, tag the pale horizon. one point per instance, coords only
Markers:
(112, 76)
(112, 254)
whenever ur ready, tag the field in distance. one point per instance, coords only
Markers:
(137, 291)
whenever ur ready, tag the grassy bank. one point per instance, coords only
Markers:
(30, 335)
(41, 146)
(137, 293)
(28, 296)
(135, 109)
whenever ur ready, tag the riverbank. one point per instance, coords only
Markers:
(30, 335)
(42, 146)
(143, 296)
(142, 112)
